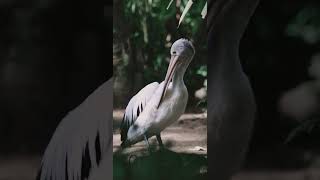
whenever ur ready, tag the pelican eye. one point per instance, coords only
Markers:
(174, 52)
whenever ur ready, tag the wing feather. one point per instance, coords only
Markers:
(72, 152)
(135, 107)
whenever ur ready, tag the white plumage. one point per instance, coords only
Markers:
(136, 105)
(156, 106)
(82, 140)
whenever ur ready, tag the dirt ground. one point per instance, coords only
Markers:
(187, 135)
(185, 152)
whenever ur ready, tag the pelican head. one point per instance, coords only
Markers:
(182, 48)
(182, 52)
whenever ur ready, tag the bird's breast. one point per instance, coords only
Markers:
(170, 109)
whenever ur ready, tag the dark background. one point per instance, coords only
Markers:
(276, 53)
(54, 53)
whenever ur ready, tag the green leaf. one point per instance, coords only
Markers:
(202, 71)
(185, 11)
(169, 4)
(133, 8)
(204, 11)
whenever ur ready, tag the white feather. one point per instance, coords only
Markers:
(141, 98)
(79, 128)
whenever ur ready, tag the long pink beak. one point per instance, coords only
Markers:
(170, 72)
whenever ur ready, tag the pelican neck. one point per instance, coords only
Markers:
(177, 79)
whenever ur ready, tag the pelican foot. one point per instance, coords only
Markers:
(160, 142)
(147, 143)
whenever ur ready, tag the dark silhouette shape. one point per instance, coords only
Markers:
(231, 104)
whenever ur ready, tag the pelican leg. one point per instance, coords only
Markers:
(147, 142)
(159, 140)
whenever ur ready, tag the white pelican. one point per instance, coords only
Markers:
(156, 106)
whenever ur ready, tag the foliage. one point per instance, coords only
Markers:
(153, 29)
(306, 25)
(187, 8)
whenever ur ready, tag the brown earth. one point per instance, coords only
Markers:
(187, 135)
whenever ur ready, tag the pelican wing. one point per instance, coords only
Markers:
(135, 107)
(82, 140)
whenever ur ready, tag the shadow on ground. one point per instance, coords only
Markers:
(159, 165)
